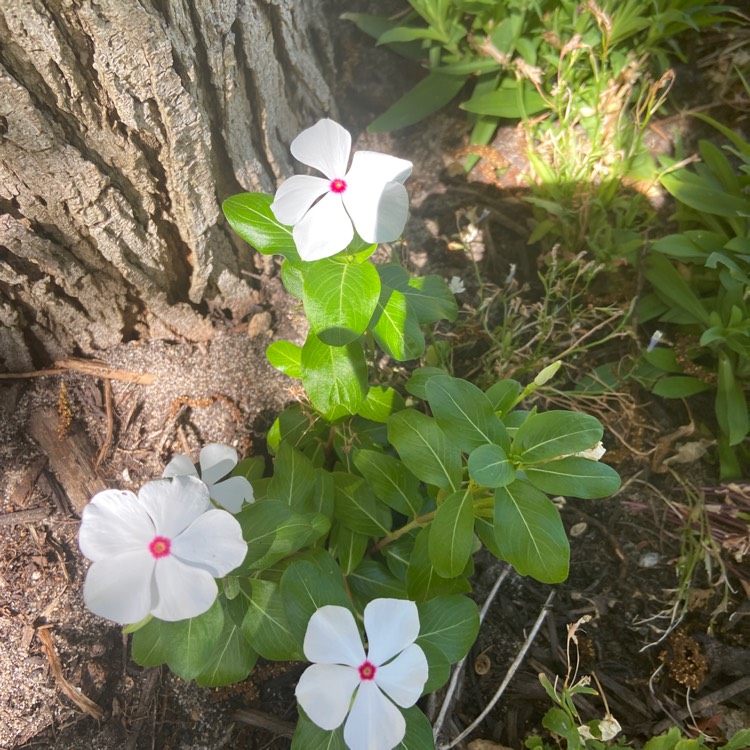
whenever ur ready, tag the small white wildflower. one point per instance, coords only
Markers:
(456, 285)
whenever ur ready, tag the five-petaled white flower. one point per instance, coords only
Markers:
(157, 552)
(216, 461)
(377, 680)
(370, 194)
(456, 285)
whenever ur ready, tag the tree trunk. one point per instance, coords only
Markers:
(123, 125)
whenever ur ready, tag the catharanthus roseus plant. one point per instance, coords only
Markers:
(380, 493)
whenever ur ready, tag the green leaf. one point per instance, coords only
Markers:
(231, 660)
(274, 531)
(286, 357)
(428, 96)
(293, 279)
(335, 377)
(339, 299)
(680, 386)
(416, 385)
(731, 406)
(530, 534)
(555, 433)
(738, 740)
(372, 580)
(489, 466)
(425, 449)
(265, 625)
(380, 403)
(293, 478)
(390, 480)
(395, 327)
(670, 285)
(431, 299)
(309, 736)
(307, 586)
(513, 100)
(348, 547)
(357, 508)
(465, 413)
(250, 215)
(503, 395)
(439, 668)
(186, 646)
(450, 624)
(418, 731)
(452, 535)
(574, 476)
(423, 582)
(696, 192)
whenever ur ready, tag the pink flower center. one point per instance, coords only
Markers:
(160, 546)
(338, 186)
(367, 671)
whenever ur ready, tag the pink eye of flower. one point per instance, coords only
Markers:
(160, 546)
(367, 671)
(338, 186)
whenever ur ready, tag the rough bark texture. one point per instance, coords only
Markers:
(123, 125)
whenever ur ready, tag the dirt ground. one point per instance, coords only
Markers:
(66, 679)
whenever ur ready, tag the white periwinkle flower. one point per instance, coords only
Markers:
(456, 285)
(216, 461)
(157, 552)
(368, 194)
(392, 672)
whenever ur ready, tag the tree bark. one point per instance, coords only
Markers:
(123, 125)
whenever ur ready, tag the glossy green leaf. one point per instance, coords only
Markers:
(555, 433)
(293, 279)
(438, 665)
(452, 535)
(731, 405)
(425, 449)
(513, 100)
(390, 480)
(339, 299)
(286, 357)
(396, 328)
(680, 386)
(450, 623)
(185, 646)
(530, 533)
(348, 547)
(428, 96)
(231, 661)
(503, 395)
(574, 476)
(335, 377)
(372, 580)
(696, 192)
(380, 403)
(429, 296)
(465, 413)
(293, 478)
(309, 736)
(489, 466)
(306, 586)
(357, 508)
(250, 215)
(418, 731)
(265, 625)
(423, 582)
(416, 385)
(670, 284)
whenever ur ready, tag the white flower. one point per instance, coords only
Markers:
(341, 669)
(157, 552)
(609, 728)
(369, 195)
(216, 461)
(593, 454)
(456, 285)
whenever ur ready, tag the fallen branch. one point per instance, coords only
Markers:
(85, 366)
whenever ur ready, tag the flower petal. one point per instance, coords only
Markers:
(325, 230)
(374, 722)
(373, 167)
(175, 503)
(295, 196)
(325, 146)
(121, 588)
(113, 523)
(404, 678)
(213, 542)
(379, 211)
(325, 693)
(184, 591)
(332, 637)
(391, 625)
(180, 466)
(216, 461)
(232, 493)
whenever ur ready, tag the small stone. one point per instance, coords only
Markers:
(648, 560)
(259, 324)
(578, 529)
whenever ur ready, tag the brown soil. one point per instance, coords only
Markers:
(625, 550)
